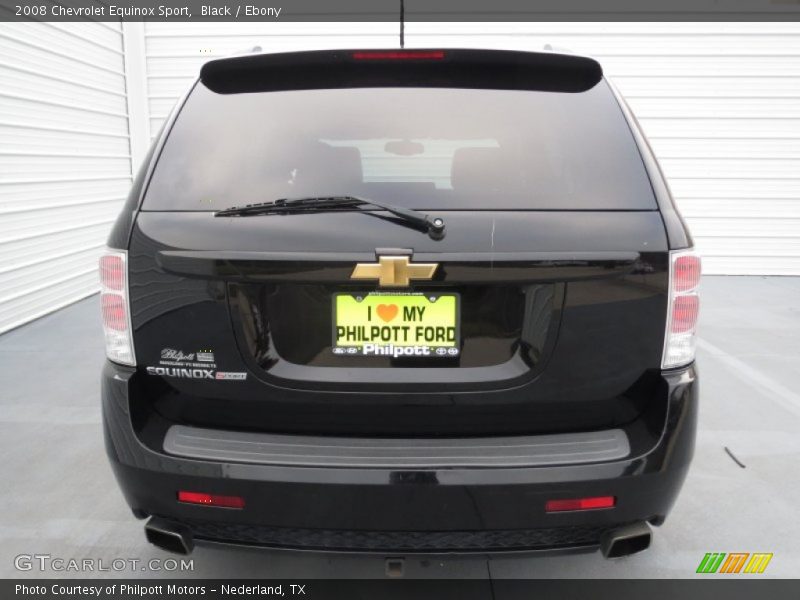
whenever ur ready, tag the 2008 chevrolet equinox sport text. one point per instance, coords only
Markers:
(406, 301)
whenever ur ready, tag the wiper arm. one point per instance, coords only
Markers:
(432, 225)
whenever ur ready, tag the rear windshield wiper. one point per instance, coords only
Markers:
(432, 225)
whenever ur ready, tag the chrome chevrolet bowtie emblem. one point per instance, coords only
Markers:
(394, 271)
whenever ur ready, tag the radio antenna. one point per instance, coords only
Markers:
(402, 24)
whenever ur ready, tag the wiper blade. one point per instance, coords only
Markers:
(432, 225)
(285, 205)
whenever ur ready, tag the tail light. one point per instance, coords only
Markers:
(591, 503)
(115, 306)
(210, 499)
(684, 307)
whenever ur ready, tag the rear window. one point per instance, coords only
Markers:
(423, 148)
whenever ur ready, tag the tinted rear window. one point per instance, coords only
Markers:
(424, 148)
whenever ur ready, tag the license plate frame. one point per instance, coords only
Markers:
(439, 344)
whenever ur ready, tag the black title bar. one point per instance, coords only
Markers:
(389, 10)
(397, 589)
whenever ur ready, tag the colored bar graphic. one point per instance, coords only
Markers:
(734, 562)
(711, 562)
(758, 562)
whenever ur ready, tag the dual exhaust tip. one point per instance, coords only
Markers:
(626, 540)
(169, 536)
(617, 543)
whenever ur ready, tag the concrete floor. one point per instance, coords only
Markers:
(59, 496)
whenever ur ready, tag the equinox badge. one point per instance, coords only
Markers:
(394, 271)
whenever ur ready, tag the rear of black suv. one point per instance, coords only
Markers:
(401, 301)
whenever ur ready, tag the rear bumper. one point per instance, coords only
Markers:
(391, 508)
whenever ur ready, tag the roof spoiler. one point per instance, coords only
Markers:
(454, 68)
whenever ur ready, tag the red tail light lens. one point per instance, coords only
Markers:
(114, 314)
(687, 272)
(115, 307)
(684, 313)
(592, 503)
(210, 499)
(112, 274)
(399, 55)
(684, 308)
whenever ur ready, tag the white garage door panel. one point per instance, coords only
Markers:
(45, 269)
(27, 223)
(712, 108)
(47, 297)
(698, 66)
(734, 168)
(51, 113)
(64, 161)
(266, 29)
(735, 188)
(588, 28)
(88, 75)
(754, 126)
(221, 45)
(52, 241)
(15, 138)
(740, 228)
(748, 265)
(164, 86)
(73, 39)
(708, 87)
(21, 196)
(55, 166)
(765, 256)
(628, 38)
(30, 85)
(726, 148)
(739, 208)
(38, 42)
(160, 108)
(753, 246)
(612, 46)
(106, 36)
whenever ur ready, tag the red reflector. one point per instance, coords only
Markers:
(687, 273)
(580, 504)
(114, 315)
(400, 55)
(684, 313)
(111, 272)
(210, 499)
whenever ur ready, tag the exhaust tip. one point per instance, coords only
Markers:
(626, 540)
(168, 536)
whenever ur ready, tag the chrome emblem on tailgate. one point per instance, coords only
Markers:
(394, 271)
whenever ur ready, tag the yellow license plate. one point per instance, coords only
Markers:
(391, 324)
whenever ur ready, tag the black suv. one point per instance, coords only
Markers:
(402, 301)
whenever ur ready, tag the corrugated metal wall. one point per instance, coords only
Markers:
(720, 103)
(64, 161)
